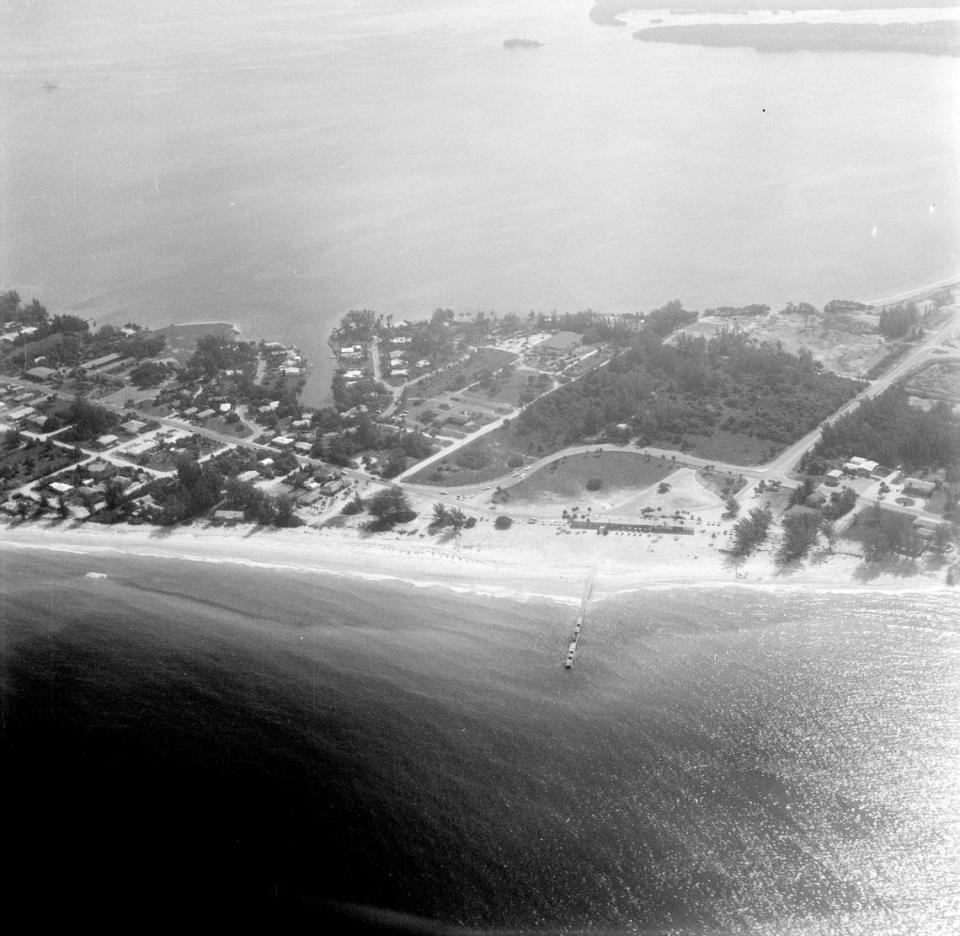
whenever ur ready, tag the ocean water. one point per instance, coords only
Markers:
(718, 761)
(276, 164)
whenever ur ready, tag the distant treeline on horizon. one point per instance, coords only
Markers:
(936, 38)
(604, 12)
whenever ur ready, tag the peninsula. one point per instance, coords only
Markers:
(605, 12)
(936, 38)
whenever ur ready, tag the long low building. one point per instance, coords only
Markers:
(626, 526)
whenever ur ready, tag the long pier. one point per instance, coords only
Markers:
(581, 617)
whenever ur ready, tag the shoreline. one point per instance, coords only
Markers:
(948, 283)
(493, 564)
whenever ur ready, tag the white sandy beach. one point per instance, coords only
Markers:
(525, 562)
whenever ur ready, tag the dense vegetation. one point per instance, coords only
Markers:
(89, 419)
(887, 429)
(750, 531)
(663, 394)
(900, 321)
(66, 340)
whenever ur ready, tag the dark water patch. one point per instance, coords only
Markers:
(713, 760)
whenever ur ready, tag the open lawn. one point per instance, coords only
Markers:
(236, 429)
(939, 380)
(456, 376)
(722, 483)
(568, 477)
(488, 457)
(734, 448)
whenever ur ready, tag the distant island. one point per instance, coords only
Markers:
(521, 44)
(937, 38)
(604, 12)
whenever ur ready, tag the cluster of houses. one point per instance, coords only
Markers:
(18, 409)
(856, 467)
(285, 359)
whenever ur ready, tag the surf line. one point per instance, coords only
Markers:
(581, 617)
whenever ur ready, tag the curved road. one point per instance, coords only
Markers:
(776, 469)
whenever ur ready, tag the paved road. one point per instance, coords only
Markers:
(776, 469)
(790, 457)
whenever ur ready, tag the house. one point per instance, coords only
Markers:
(400, 372)
(206, 414)
(61, 487)
(330, 488)
(833, 477)
(140, 447)
(292, 371)
(146, 504)
(284, 442)
(247, 476)
(353, 374)
(228, 516)
(559, 344)
(302, 447)
(860, 466)
(105, 441)
(21, 412)
(133, 426)
(918, 487)
(225, 407)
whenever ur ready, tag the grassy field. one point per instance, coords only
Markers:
(568, 476)
(734, 448)
(938, 380)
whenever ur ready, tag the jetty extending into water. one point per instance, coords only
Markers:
(581, 617)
